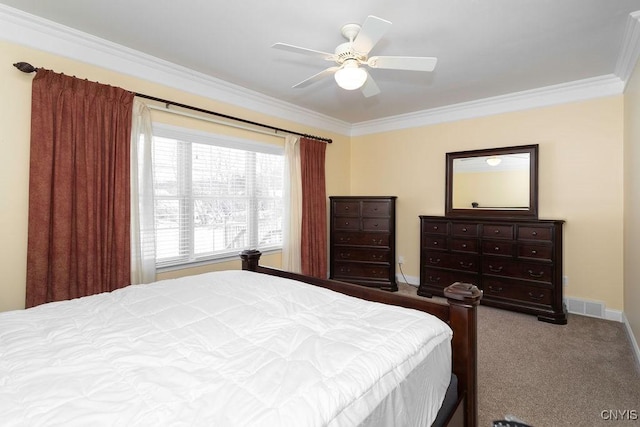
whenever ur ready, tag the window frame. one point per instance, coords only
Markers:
(189, 136)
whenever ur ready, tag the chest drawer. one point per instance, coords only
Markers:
(498, 231)
(360, 270)
(376, 209)
(362, 239)
(376, 224)
(346, 223)
(362, 254)
(442, 278)
(534, 233)
(346, 208)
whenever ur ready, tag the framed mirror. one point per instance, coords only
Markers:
(496, 182)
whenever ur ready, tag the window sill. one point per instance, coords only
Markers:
(229, 258)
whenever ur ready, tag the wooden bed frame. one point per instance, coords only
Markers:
(460, 313)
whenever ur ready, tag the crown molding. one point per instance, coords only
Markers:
(630, 50)
(578, 90)
(38, 33)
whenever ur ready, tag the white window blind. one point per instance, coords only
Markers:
(214, 195)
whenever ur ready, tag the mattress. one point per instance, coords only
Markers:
(231, 348)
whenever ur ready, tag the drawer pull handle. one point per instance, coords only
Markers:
(538, 297)
(345, 239)
(346, 223)
(464, 245)
(374, 256)
(464, 229)
(435, 227)
(533, 252)
(536, 275)
(467, 265)
(497, 249)
(346, 208)
(377, 241)
(534, 233)
(496, 231)
(434, 279)
(345, 255)
(375, 225)
(496, 289)
(495, 269)
(435, 243)
(345, 270)
(434, 261)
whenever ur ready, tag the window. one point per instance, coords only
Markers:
(214, 195)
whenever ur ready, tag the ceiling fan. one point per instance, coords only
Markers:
(350, 57)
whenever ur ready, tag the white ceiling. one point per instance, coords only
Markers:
(485, 48)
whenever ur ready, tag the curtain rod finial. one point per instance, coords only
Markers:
(25, 67)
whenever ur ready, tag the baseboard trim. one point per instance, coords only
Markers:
(409, 280)
(632, 339)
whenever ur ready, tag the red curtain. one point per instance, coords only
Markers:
(314, 208)
(78, 241)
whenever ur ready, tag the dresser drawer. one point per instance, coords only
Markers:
(535, 251)
(526, 232)
(498, 231)
(361, 239)
(348, 270)
(376, 209)
(430, 241)
(517, 291)
(464, 245)
(345, 223)
(361, 254)
(443, 278)
(497, 247)
(461, 229)
(435, 227)
(540, 272)
(452, 261)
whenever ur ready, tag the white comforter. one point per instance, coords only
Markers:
(230, 348)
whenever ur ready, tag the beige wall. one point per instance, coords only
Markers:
(580, 180)
(632, 204)
(15, 103)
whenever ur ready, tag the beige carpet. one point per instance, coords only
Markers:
(553, 375)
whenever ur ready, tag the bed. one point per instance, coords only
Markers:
(251, 347)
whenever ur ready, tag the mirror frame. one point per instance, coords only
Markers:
(532, 212)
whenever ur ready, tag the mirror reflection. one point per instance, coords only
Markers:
(492, 182)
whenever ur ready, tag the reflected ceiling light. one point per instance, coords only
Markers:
(350, 76)
(494, 161)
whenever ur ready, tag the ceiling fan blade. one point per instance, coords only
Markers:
(412, 63)
(371, 32)
(370, 88)
(317, 77)
(303, 50)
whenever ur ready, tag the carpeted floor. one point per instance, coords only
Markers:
(554, 375)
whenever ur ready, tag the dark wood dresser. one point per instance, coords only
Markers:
(516, 262)
(362, 242)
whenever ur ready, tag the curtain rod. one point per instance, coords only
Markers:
(25, 67)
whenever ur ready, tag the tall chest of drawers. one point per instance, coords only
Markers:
(517, 263)
(362, 242)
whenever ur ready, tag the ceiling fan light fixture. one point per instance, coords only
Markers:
(494, 161)
(350, 76)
